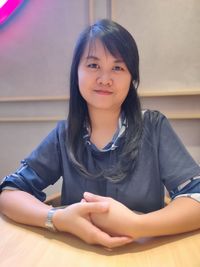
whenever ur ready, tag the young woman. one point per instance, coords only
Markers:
(113, 158)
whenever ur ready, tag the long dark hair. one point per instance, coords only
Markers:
(118, 41)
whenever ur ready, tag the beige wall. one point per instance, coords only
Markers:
(35, 54)
(168, 36)
(167, 33)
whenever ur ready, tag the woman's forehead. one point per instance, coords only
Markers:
(96, 46)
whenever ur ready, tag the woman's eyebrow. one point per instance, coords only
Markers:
(119, 60)
(92, 57)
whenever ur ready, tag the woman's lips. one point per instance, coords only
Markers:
(103, 92)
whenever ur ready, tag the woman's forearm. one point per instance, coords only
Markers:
(75, 219)
(23, 207)
(181, 215)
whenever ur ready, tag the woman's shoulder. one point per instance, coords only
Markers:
(61, 127)
(153, 121)
(152, 116)
(59, 131)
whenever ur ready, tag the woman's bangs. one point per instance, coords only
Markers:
(108, 43)
(111, 46)
(91, 46)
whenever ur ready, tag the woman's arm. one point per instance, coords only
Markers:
(75, 219)
(22, 207)
(181, 215)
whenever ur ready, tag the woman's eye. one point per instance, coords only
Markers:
(93, 66)
(118, 68)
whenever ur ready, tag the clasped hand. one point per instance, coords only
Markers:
(96, 220)
(117, 221)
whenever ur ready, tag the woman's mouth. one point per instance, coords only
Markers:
(103, 92)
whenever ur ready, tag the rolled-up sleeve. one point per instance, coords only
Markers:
(40, 169)
(190, 188)
(25, 179)
(176, 165)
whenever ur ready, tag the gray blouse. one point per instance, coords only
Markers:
(162, 162)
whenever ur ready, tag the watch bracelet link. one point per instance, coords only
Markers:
(49, 222)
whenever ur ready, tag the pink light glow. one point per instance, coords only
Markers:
(2, 2)
(7, 7)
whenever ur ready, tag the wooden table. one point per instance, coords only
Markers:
(26, 246)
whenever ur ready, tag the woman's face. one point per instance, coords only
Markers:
(104, 80)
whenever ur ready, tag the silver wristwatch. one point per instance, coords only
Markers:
(49, 223)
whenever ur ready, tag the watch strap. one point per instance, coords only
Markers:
(49, 222)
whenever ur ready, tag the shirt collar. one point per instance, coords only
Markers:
(113, 144)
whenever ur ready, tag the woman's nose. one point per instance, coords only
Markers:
(104, 79)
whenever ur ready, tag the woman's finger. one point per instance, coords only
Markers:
(112, 242)
(93, 198)
(94, 207)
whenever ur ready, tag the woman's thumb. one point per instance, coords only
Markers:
(89, 197)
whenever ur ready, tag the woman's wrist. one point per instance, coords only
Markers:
(58, 221)
(134, 227)
(49, 220)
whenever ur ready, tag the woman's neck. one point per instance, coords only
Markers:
(103, 126)
(101, 119)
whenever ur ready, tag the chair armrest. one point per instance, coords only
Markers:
(167, 200)
(54, 200)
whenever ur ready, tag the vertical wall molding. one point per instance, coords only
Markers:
(109, 9)
(112, 10)
(91, 11)
(99, 9)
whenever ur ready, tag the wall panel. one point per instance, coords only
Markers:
(168, 37)
(35, 55)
